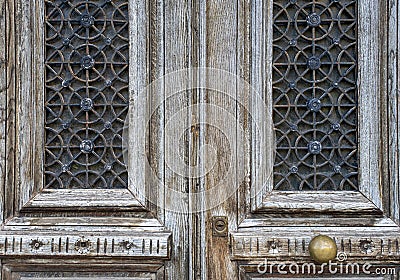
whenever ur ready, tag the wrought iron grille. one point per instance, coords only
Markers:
(314, 93)
(86, 98)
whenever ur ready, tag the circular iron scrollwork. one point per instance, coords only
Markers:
(315, 94)
(87, 55)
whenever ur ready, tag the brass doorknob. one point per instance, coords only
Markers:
(322, 249)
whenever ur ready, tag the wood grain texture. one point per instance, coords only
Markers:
(174, 20)
(106, 244)
(81, 199)
(320, 202)
(393, 126)
(292, 243)
(3, 99)
(369, 87)
(262, 152)
(7, 191)
(134, 236)
(221, 50)
(93, 223)
(83, 271)
(139, 20)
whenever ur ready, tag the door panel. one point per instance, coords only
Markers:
(305, 143)
(286, 201)
(76, 71)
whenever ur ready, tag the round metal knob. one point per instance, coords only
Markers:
(322, 249)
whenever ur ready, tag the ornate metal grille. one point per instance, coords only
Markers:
(86, 93)
(314, 92)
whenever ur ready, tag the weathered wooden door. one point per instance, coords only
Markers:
(77, 201)
(183, 139)
(325, 74)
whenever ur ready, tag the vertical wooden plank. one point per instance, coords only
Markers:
(221, 53)
(369, 87)
(29, 98)
(10, 113)
(3, 100)
(261, 81)
(38, 90)
(177, 55)
(138, 99)
(393, 108)
(385, 189)
(200, 60)
(244, 96)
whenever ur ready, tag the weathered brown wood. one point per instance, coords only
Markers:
(8, 207)
(293, 212)
(221, 50)
(101, 244)
(122, 224)
(91, 198)
(328, 220)
(3, 98)
(46, 209)
(168, 35)
(369, 69)
(75, 269)
(320, 202)
(393, 81)
(174, 20)
(292, 243)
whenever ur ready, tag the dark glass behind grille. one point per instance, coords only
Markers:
(86, 98)
(314, 93)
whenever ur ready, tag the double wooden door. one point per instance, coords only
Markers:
(183, 139)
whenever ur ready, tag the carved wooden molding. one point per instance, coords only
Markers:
(352, 242)
(72, 270)
(82, 244)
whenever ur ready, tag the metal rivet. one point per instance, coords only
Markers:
(314, 105)
(293, 42)
(313, 20)
(86, 104)
(337, 169)
(314, 147)
(87, 62)
(336, 126)
(65, 83)
(65, 168)
(86, 20)
(108, 83)
(86, 146)
(65, 125)
(107, 125)
(314, 63)
(294, 169)
(66, 41)
(336, 41)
